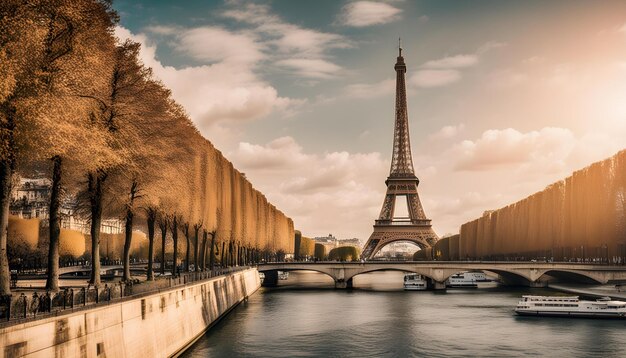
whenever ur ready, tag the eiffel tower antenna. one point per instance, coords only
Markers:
(401, 182)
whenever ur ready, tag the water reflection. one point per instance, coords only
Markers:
(306, 317)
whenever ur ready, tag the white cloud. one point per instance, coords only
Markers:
(366, 90)
(434, 78)
(622, 29)
(368, 13)
(457, 61)
(303, 51)
(310, 68)
(271, 156)
(304, 42)
(508, 147)
(250, 13)
(214, 44)
(448, 132)
(336, 192)
(162, 30)
(227, 90)
(446, 70)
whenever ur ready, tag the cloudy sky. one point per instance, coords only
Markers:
(505, 97)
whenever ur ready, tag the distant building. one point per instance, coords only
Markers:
(350, 242)
(31, 198)
(331, 242)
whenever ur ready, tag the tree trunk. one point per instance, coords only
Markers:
(187, 249)
(222, 255)
(7, 168)
(128, 234)
(52, 280)
(95, 197)
(175, 239)
(230, 254)
(237, 254)
(203, 250)
(151, 220)
(163, 237)
(128, 231)
(6, 174)
(195, 249)
(212, 252)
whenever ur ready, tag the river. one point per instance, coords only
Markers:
(306, 317)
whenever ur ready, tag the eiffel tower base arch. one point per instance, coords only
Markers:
(424, 237)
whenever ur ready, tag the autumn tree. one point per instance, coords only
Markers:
(43, 47)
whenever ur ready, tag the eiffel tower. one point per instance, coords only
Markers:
(401, 182)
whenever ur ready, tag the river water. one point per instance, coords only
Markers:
(306, 317)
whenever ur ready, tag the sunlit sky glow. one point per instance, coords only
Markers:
(504, 97)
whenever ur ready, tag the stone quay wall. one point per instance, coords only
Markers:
(162, 324)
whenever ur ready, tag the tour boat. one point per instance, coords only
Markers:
(283, 275)
(414, 282)
(570, 307)
(466, 280)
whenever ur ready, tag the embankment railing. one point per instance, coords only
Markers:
(16, 309)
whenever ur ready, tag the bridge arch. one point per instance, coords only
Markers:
(383, 269)
(513, 277)
(575, 276)
(314, 269)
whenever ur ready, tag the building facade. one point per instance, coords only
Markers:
(30, 199)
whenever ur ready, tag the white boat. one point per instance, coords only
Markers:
(283, 275)
(466, 280)
(414, 282)
(571, 306)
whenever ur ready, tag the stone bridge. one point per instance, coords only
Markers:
(534, 274)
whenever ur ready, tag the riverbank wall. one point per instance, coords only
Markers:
(162, 324)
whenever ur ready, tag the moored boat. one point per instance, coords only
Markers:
(571, 306)
(414, 282)
(283, 275)
(463, 280)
